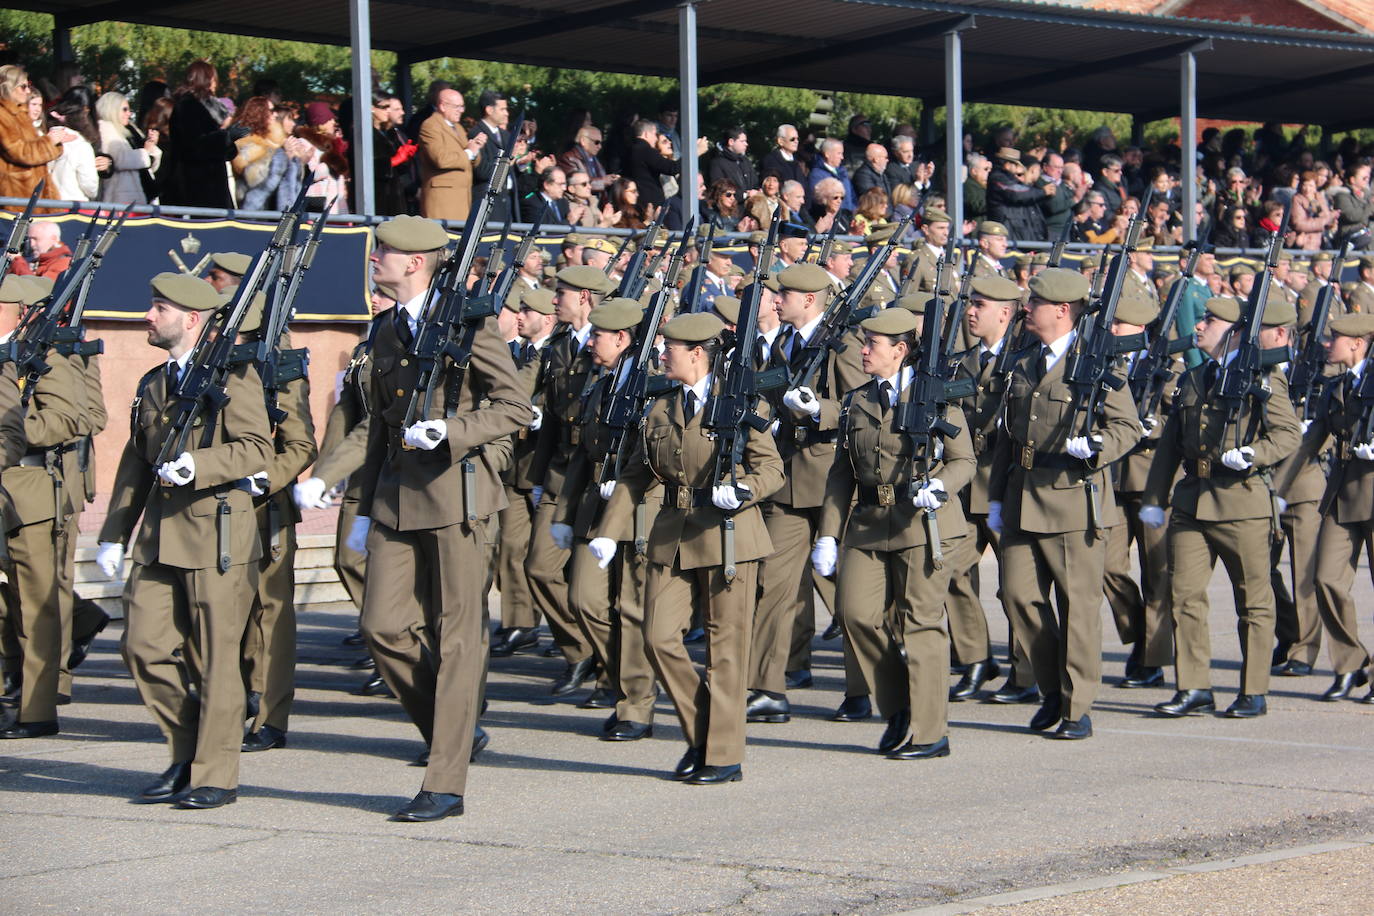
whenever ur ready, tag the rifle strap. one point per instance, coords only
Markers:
(223, 526)
(274, 528)
(469, 469)
(727, 533)
(641, 530)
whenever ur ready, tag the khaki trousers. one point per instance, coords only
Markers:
(349, 564)
(610, 608)
(1243, 548)
(968, 623)
(1298, 621)
(517, 603)
(871, 582)
(546, 568)
(1141, 613)
(1338, 559)
(269, 642)
(710, 705)
(182, 636)
(1063, 637)
(785, 591)
(34, 646)
(425, 624)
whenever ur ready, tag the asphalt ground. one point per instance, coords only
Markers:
(558, 821)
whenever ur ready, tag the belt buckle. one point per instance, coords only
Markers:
(1028, 457)
(576, 435)
(1204, 468)
(1346, 452)
(887, 494)
(980, 442)
(682, 498)
(524, 431)
(799, 434)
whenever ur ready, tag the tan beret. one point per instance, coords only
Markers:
(537, 300)
(186, 291)
(25, 290)
(804, 278)
(1145, 244)
(581, 276)
(1056, 284)
(43, 285)
(756, 238)
(696, 327)
(1040, 259)
(1278, 311)
(997, 288)
(992, 227)
(231, 262)
(727, 307)
(915, 303)
(936, 215)
(879, 233)
(735, 270)
(253, 320)
(602, 244)
(1136, 306)
(1356, 324)
(1241, 269)
(574, 238)
(841, 247)
(1323, 256)
(1367, 261)
(412, 233)
(893, 320)
(617, 314)
(1285, 255)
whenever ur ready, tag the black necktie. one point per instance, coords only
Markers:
(528, 353)
(403, 328)
(885, 395)
(983, 359)
(515, 350)
(1042, 365)
(173, 376)
(1209, 375)
(783, 346)
(689, 404)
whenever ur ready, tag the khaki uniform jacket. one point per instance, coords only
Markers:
(52, 419)
(345, 432)
(980, 410)
(13, 443)
(1052, 499)
(1194, 431)
(1133, 471)
(526, 441)
(564, 368)
(871, 453)
(1349, 493)
(414, 489)
(1307, 301)
(445, 170)
(180, 525)
(294, 443)
(1362, 298)
(94, 417)
(680, 452)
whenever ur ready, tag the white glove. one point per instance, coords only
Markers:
(180, 472)
(824, 555)
(803, 400)
(1306, 425)
(1152, 516)
(535, 496)
(724, 496)
(1239, 459)
(1082, 446)
(110, 558)
(309, 494)
(1148, 425)
(604, 551)
(538, 420)
(607, 489)
(931, 496)
(1281, 503)
(427, 434)
(995, 516)
(258, 483)
(357, 535)
(562, 535)
(1365, 451)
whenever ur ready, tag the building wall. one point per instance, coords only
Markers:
(1349, 15)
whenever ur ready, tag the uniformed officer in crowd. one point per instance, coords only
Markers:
(686, 550)
(426, 494)
(195, 556)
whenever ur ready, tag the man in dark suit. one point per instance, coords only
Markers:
(494, 122)
(784, 159)
(552, 184)
(873, 173)
(647, 163)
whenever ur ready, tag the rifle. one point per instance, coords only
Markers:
(691, 293)
(1151, 371)
(1057, 249)
(1305, 374)
(957, 308)
(19, 229)
(1244, 376)
(729, 412)
(494, 298)
(615, 259)
(827, 244)
(632, 283)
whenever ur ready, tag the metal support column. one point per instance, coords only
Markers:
(1187, 140)
(954, 129)
(687, 127)
(925, 130)
(360, 32)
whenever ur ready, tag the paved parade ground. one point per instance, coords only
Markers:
(559, 822)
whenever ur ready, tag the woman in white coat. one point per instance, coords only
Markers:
(132, 156)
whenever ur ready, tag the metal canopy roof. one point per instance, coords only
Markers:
(1015, 51)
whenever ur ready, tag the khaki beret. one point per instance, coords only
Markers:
(1040, 259)
(1323, 256)
(253, 320)
(1224, 307)
(186, 291)
(804, 278)
(879, 233)
(915, 303)
(1056, 284)
(997, 288)
(24, 290)
(602, 244)
(231, 262)
(538, 300)
(735, 270)
(1366, 261)
(769, 282)
(841, 248)
(1356, 324)
(727, 307)
(617, 314)
(1278, 311)
(1241, 268)
(412, 233)
(1136, 306)
(893, 320)
(581, 276)
(756, 237)
(573, 239)
(696, 327)
(991, 227)
(1008, 154)
(936, 215)
(1285, 255)
(1145, 244)
(42, 284)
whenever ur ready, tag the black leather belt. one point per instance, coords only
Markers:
(1032, 459)
(805, 436)
(886, 494)
(676, 497)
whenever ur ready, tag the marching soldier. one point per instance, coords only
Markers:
(687, 551)
(873, 504)
(195, 557)
(1051, 501)
(1222, 508)
(426, 493)
(226, 270)
(1347, 506)
(35, 522)
(992, 248)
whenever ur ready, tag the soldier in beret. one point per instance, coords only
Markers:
(428, 491)
(227, 269)
(186, 602)
(686, 550)
(597, 253)
(873, 509)
(1051, 500)
(1347, 506)
(1361, 298)
(992, 248)
(1222, 508)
